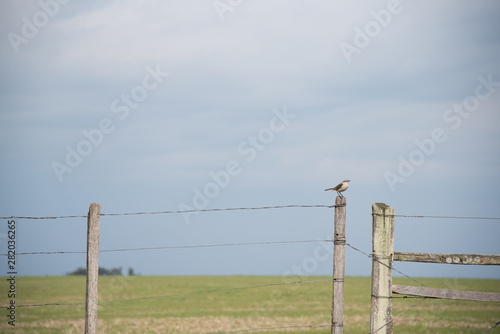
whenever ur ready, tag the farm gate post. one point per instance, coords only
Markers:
(91, 296)
(383, 257)
(383, 249)
(338, 266)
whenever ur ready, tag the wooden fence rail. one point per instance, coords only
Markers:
(446, 293)
(479, 259)
(383, 257)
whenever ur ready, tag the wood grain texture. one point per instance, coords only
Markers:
(339, 266)
(91, 296)
(383, 249)
(446, 294)
(468, 259)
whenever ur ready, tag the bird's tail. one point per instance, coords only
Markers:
(329, 189)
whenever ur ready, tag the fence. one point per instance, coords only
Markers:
(92, 263)
(91, 301)
(381, 317)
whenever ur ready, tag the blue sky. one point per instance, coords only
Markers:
(168, 105)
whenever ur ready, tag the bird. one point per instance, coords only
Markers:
(340, 187)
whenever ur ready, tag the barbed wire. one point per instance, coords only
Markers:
(372, 256)
(175, 247)
(217, 290)
(183, 211)
(400, 314)
(392, 268)
(272, 328)
(403, 297)
(49, 217)
(181, 294)
(492, 327)
(48, 304)
(225, 209)
(241, 208)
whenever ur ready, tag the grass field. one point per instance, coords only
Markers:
(271, 306)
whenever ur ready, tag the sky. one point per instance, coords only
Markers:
(186, 105)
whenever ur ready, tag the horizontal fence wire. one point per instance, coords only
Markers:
(181, 294)
(273, 328)
(492, 327)
(177, 247)
(392, 268)
(226, 209)
(243, 208)
(400, 314)
(182, 211)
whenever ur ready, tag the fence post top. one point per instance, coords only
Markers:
(382, 209)
(339, 200)
(380, 205)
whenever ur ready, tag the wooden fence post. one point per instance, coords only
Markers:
(338, 266)
(383, 250)
(91, 297)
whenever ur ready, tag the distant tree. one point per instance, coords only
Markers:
(116, 272)
(79, 271)
(102, 271)
(131, 271)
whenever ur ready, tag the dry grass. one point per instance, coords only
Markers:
(274, 306)
(171, 325)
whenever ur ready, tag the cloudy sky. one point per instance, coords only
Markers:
(175, 105)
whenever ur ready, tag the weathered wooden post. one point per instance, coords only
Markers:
(338, 266)
(91, 297)
(383, 250)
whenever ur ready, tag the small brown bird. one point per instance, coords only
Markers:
(340, 187)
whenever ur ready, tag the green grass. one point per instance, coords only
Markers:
(271, 306)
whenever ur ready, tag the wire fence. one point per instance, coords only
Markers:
(272, 328)
(179, 247)
(181, 294)
(259, 243)
(237, 209)
(180, 211)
